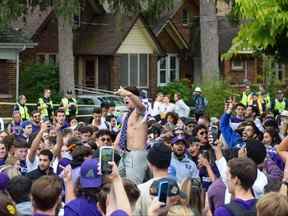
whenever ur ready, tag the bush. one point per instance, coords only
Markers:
(216, 92)
(182, 86)
(35, 78)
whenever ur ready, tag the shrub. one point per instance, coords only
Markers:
(216, 92)
(181, 86)
(35, 78)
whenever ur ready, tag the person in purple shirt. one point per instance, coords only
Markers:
(240, 179)
(91, 195)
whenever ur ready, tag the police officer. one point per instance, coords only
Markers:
(45, 105)
(280, 103)
(22, 108)
(69, 105)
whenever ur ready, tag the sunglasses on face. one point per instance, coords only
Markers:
(203, 132)
(36, 116)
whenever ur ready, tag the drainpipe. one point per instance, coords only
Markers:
(18, 71)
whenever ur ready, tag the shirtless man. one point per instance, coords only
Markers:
(132, 138)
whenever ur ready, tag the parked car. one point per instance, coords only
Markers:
(92, 100)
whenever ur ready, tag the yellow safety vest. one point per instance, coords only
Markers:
(43, 107)
(245, 98)
(65, 102)
(280, 106)
(23, 112)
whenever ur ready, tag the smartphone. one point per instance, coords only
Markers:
(214, 133)
(106, 156)
(163, 192)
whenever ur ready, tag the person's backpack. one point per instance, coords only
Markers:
(237, 210)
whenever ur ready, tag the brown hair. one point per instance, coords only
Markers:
(7, 207)
(272, 203)
(245, 170)
(46, 192)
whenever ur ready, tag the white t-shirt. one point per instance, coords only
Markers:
(258, 186)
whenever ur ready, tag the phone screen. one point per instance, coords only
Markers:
(107, 155)
(163, 192)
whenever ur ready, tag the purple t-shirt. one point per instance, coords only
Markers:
(248, 204)
(216, 194)
(82, 206)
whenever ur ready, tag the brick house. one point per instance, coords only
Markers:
(176, 36)
(109, 50)
(12, 43)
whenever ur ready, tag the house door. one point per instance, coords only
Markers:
(90, 73)
(104, 72)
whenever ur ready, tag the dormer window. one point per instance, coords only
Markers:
(185, 17)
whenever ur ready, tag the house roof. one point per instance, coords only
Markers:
(105, 33)
(227, 32)
(31, 22)
(166, 15)
(11, 36)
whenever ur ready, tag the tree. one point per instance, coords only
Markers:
(264, 27)
(209, 40)
(65, 10)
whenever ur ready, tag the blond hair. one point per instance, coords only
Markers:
(272, 203)
(180, 210)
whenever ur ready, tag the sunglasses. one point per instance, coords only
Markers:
(36, 116)
(203, 132)
(105, 139)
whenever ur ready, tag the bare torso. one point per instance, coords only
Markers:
(136, 132)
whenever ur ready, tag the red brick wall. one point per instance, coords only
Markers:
(6, 110)
(115, 72)
(236, 76)
(191, 7)
(167, 42)
(152, 75)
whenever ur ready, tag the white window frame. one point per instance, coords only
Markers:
(280, 68)
(168, 69)
(138, 70)
(46, 57)
(236, 67)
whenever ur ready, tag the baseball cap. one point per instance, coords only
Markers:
(89, 177)
(4, 180)
(173, 188)
(198, 89)
(179, 139)
(159, 155)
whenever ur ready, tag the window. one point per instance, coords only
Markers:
(52, 59)
(41, 59)
(237, 65)
(134, 70)
(4, 73)
(46, 58)
(85, 101)
(168, 69)
(185, 17)
(280, 71)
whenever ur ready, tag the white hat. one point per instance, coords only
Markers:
(284, 113)
(198, 89)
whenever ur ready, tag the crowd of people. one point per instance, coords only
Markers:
(168, 158)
